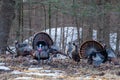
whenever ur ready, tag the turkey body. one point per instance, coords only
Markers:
(41, 55)
(75, 56)
(75, 53)
(23, 49)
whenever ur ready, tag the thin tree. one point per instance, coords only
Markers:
(118, 36)
(45, 16)
(118, 42)
(106, 29)
(49, 15)
(99, 20)
(30, 22)
(76, 19)
(22, 24)
(56, 25)
(118, 33)
(18, 6)
(19, 29)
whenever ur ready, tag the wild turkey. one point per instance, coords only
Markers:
(22, 49)
(75, 53)
(43, 46)
(109, 54)
(97, 53)
(91, 50)
(105, 55)
(69, 49)
(42, 53)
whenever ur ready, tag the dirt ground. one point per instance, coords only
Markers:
(26, 68)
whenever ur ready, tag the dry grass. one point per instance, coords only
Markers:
(71, 70)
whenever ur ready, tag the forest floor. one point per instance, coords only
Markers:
(26, 68)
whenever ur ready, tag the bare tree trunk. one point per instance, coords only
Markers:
(106, 24)
(100, 24)
(103, 24)
(63, 35)
(30, 24)
(106, 29)
(61, 32)
(63, 38)
(72, 34)
(76, 20)
(19, 34)
(22, 26)
(45, 25)
(118, 42)
(6, 17)
(118, 36)
(82, 22)
(49, 14)
(56, 26)
(89, 28)
(78, 31)
(19, 21)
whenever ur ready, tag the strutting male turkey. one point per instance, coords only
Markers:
(91, 50)
(42, 52)
(43, 46)
(96, 53)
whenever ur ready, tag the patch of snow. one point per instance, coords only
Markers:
(24, 78)
(16, 72)
(89, 78)
(58, 71)
(1, 64)
(29, 40)
(113, 39)
(49, 73)
(7, 52)
(43, 74)
(34, 69)
(46, 71)
(59, 56)
(52, 71)
(4, 68)
(94, 35)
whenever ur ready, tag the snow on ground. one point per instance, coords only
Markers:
(4, 68)
(65, 69)
(1, 64)
(38, 72)
(24, 78)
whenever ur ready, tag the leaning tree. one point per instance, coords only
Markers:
(7, 15)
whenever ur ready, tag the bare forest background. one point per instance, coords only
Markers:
(21, 19)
